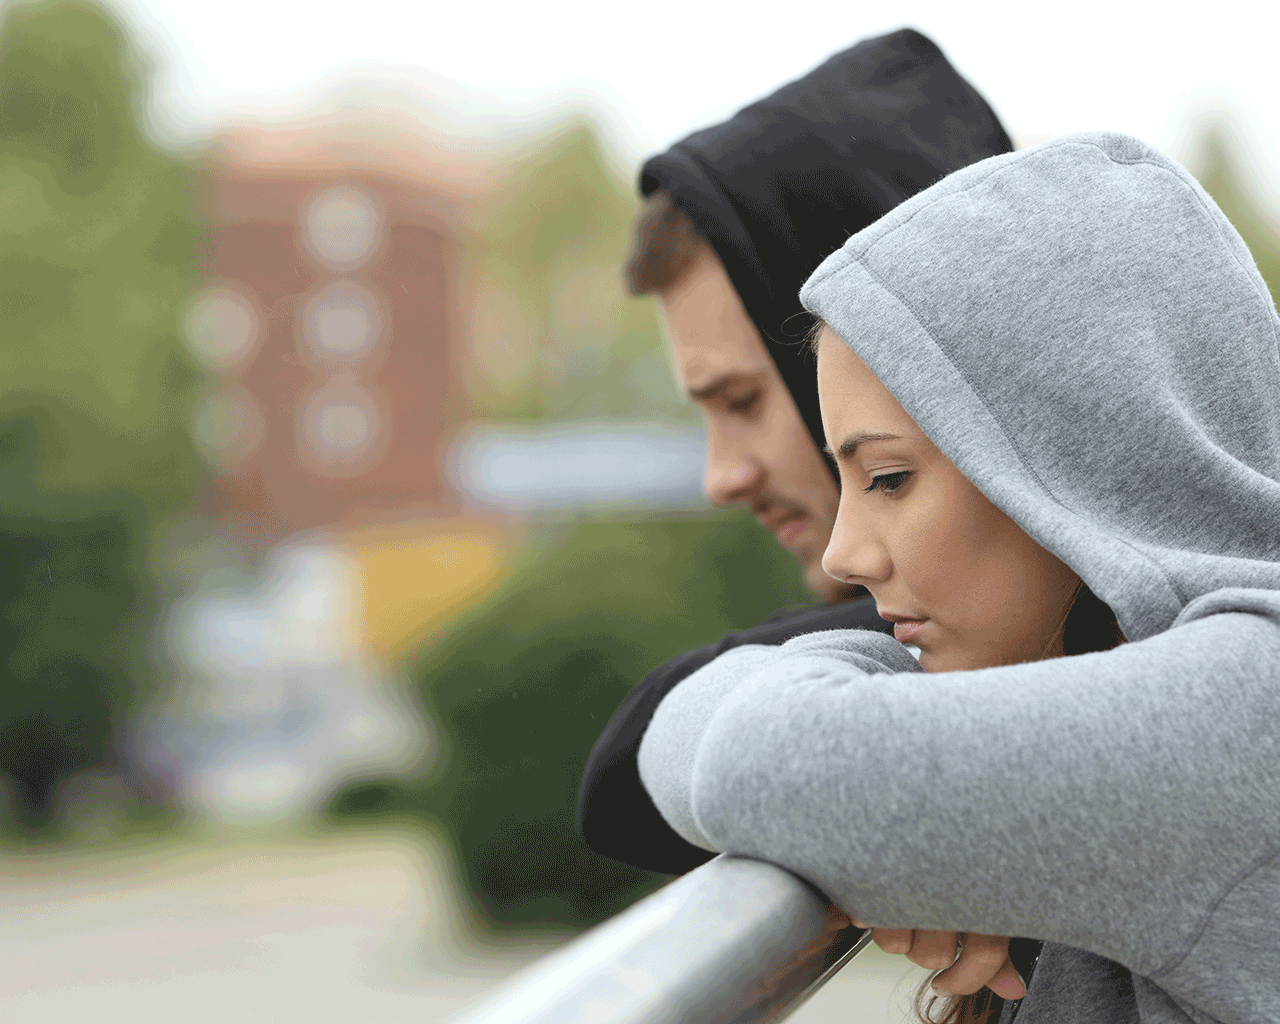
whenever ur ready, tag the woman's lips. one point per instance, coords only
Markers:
(905, 632)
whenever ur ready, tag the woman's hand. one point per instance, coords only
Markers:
(982, 960)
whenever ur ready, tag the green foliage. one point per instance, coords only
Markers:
(97, 255)
(1217, 161)
(522, 687)
(554, 332)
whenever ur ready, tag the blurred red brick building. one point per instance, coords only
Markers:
(329, 321)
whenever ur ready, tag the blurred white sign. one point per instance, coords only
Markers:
(594, 465)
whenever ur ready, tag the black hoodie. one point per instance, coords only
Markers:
(775, 190)
(784, 182)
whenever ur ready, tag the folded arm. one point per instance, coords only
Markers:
(1112, 802)
(616, 818)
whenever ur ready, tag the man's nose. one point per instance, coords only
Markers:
(730, 479)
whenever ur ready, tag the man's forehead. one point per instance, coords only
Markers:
(708, 331)
(703, 369)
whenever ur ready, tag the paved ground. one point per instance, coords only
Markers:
(348, 929)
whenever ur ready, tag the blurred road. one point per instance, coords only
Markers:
(349, 929)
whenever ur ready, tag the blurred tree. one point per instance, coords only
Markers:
(522, 687)
(1215, 161)
(553, 332)
(97, 255)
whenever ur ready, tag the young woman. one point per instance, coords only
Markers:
(1053, 375)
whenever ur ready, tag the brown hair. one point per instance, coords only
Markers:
(664, 244)
(982, 1007)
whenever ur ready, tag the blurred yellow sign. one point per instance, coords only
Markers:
(418, 577)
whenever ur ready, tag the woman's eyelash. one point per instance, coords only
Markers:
(744, 403)
(888, 482)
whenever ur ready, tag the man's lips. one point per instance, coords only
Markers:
(786, 526)
(789, 529)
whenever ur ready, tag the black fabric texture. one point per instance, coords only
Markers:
(780, 185)
(616, 818)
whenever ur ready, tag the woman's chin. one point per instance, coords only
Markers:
(949, 659)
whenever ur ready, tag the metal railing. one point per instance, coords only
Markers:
(737, 941)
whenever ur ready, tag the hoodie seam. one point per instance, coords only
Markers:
(1254, 867)
(1016, 158)
(1013, 445)
(1261, 294)
(1208, 210)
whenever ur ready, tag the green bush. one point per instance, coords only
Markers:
(523, 685)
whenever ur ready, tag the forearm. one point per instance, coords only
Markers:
(616, 816)
(679, 726)
(1074, 799)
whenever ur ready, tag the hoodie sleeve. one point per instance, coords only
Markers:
(1125, 803)
(616, 818)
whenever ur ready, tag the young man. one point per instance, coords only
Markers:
(735, 219)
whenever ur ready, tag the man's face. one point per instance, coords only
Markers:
(759, 452)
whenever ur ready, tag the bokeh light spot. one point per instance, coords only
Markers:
(342, 322)
(221, 328)
(229, 426)
(342, 227)
(341, 429)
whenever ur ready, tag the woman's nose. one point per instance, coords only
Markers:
(853, 555)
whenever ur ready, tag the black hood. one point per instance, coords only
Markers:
(783, 183)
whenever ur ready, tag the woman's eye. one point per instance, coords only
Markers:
(888, 482)
(744, 403)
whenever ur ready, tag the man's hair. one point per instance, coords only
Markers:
(664, 244)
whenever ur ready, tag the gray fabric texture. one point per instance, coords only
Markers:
(1080, 330)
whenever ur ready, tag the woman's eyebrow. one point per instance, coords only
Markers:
(850, 444)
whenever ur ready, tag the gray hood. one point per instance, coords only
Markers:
(1085, 335)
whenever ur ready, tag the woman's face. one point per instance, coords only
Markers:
(958, 577)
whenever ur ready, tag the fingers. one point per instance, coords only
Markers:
(934, 950)
(984, 960)
(837, 920)
(1007, 983)
(892, 940)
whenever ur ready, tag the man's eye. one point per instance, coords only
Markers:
(744, 403)
(888, 482)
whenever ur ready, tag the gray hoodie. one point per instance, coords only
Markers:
(1081, 331)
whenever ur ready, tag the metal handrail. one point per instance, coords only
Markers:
(736, 941)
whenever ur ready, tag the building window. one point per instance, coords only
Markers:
(341, 322)
(341, 429)
(228, 426)
(221, 328)
(342, 227)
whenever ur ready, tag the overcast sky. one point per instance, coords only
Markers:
(1046, 68)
